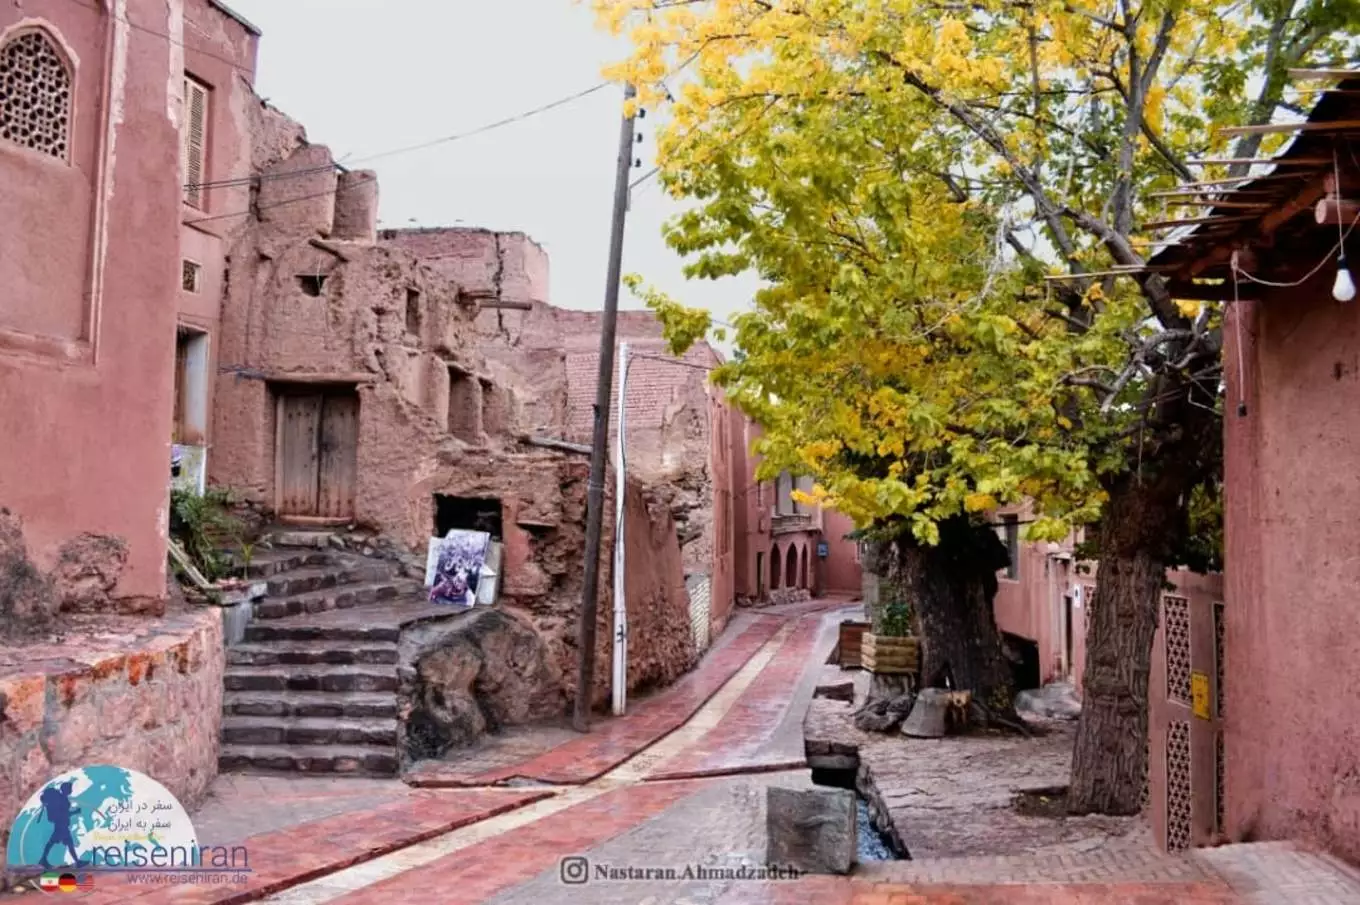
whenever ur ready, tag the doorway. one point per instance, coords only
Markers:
(760, 576)
(316, 455)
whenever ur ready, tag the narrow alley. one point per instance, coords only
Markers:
(676, 788)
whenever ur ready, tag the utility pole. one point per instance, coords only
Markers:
(585, 675)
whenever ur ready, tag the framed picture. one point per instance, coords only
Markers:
(453, 567)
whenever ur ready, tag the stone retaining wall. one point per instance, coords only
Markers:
(144, 694)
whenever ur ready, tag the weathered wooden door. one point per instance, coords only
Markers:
(318, 443)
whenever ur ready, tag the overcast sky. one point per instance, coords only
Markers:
(366, 76)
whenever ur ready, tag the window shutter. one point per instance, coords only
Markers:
(195, 127)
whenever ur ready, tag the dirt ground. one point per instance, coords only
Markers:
(957, 796)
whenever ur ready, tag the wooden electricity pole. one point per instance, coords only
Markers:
(585, 676)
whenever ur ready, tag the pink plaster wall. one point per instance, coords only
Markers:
(220, 52)
(87, 329)
(1292, 737)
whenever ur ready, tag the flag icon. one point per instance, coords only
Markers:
(66, 882)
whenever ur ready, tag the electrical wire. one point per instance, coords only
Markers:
(1340, 245)
(507, 121)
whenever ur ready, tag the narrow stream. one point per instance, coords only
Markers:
(872, 845)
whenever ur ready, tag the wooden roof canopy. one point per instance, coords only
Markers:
(1272, 213)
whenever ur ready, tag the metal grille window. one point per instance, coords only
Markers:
(1178, 786)
(191, 275)
(195, 140)
(35, 94)
(1220, 635)
(1177, 641)
(1219, 783)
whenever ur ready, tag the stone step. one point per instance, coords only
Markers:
(265, 730)
(271, 562)
(350, 705)
(314, 677)
(350, 759)
(270, 653)
(269, 631)
(339, 598)
(296, 582)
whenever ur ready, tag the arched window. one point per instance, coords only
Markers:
(791, 567)
(35, 94)
(775, 563)
(803, 571)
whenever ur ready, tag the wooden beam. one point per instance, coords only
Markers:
(1324, 74)
(1340, 125)
(1303, 200)
(559, 445)
(1331, 210)
(1209, 202)
(1094, 273)
(1240, 179)
(1213, 292)
(1193, 221)
(501, 303)
(1272, 161)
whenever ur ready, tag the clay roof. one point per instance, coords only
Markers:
(1288, 193)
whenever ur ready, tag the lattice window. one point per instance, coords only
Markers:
(191, 274)
(1177, 642)
(35, 94)
(1178, 786)
(195, 141)
(1147, 771)
(1219, 783)
(1220, 633)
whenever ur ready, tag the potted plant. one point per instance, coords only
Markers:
(891, 648)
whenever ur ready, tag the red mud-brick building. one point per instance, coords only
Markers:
(96, 226)
(1277, 754)
(784, 549)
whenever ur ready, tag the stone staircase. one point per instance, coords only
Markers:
(314, 687)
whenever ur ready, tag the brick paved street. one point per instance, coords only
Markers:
(353, 842)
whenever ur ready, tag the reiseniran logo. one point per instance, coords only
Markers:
(101, 825)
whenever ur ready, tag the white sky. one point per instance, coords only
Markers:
(366, 76)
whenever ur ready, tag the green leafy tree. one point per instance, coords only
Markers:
(904, 175)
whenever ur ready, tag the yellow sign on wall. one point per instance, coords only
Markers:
(1199, 694)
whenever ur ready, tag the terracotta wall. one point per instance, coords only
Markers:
(722, 585)
(660, 638)
(840, 571)
(220, 52)
(88, 322)
(1293, 628)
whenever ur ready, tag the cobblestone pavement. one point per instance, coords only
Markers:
(953, 797)
(317, 842)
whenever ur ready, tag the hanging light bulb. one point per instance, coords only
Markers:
(1343, 290)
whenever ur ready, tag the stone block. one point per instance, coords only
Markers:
(22, 699)
(811, 830)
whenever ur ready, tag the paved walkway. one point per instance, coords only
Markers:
(677, 788)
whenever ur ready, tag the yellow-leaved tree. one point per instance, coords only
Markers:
(904, 175)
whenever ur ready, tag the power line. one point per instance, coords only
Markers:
(457, 136)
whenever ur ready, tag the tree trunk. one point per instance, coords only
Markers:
(1143, 527)
(952, 587)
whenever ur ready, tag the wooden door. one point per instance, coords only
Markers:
(299, 454)
(317, 455)
(339, 454)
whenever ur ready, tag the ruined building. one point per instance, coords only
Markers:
(197, 282)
